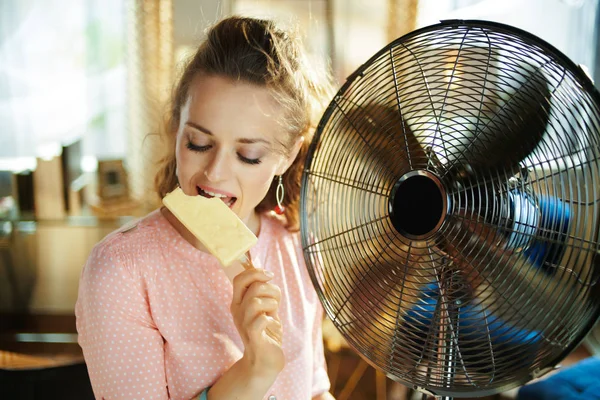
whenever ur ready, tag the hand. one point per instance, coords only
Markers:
(254, 309)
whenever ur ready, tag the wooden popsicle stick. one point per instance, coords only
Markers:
(235, 268)
(246, 260)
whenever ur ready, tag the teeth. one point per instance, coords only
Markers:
(229, 203)
(214, 194)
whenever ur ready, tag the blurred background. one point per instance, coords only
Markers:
(83, 89)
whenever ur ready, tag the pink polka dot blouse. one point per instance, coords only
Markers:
(154, 322)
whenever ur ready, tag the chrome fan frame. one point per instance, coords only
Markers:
(449, 208)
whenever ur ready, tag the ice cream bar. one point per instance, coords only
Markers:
(214, 224)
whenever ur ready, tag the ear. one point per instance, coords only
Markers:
(292, 156)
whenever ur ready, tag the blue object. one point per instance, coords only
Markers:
(474, 322)
(204, 394)
(554, 224)
(579, 381)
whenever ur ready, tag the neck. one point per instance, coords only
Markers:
(253, 223)
(183, 231)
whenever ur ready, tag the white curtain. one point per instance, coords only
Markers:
(569, 25)
(62, 77)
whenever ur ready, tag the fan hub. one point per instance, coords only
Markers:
(418, 204)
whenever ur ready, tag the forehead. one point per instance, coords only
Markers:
(232, 107)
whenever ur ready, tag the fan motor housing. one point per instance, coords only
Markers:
(418, 204)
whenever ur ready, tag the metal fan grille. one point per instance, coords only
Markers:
(452, 246)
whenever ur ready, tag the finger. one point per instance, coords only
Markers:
(274, 315)
(275, 330)
(246, 278)
(258, 306)
(263, 289)
(264, 324)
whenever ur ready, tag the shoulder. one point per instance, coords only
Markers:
(132, 235)
(133, 241)
(287, 243)
(276, 226)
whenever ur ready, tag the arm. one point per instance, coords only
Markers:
(254, 309)
(123, 349)
(241, 382)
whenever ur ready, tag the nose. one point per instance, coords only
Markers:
(218, 167)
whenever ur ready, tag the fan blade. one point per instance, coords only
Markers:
(390, 141)
(372, 294)
(492, 271)
(380, 286)
(502, 137)
(477, 339)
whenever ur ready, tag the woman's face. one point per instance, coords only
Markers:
(229, 143)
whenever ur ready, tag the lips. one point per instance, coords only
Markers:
(210, 193)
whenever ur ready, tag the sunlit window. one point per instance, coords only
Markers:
(62, 78)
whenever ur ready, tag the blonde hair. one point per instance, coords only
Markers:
(257, 52)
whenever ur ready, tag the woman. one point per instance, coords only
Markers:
(157, 316)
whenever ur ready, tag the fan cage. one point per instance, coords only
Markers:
(504, 284)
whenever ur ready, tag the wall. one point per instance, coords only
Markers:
(569, 25)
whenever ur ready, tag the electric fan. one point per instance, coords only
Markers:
(450, 208)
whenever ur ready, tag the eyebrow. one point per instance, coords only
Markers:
(242, 140)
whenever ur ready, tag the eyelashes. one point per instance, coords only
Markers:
(198, 149)
(202, 149)
(251, 161)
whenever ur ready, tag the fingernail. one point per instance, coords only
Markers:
(269, 274)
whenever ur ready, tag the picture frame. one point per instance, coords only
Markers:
(112, 180)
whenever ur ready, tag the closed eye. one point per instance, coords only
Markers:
(199, 149)
(251, 161)
(202, 149)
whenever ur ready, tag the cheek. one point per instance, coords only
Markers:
(187, 167)
(182, 163)
(259, 182)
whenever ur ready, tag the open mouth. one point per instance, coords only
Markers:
(229, 201)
